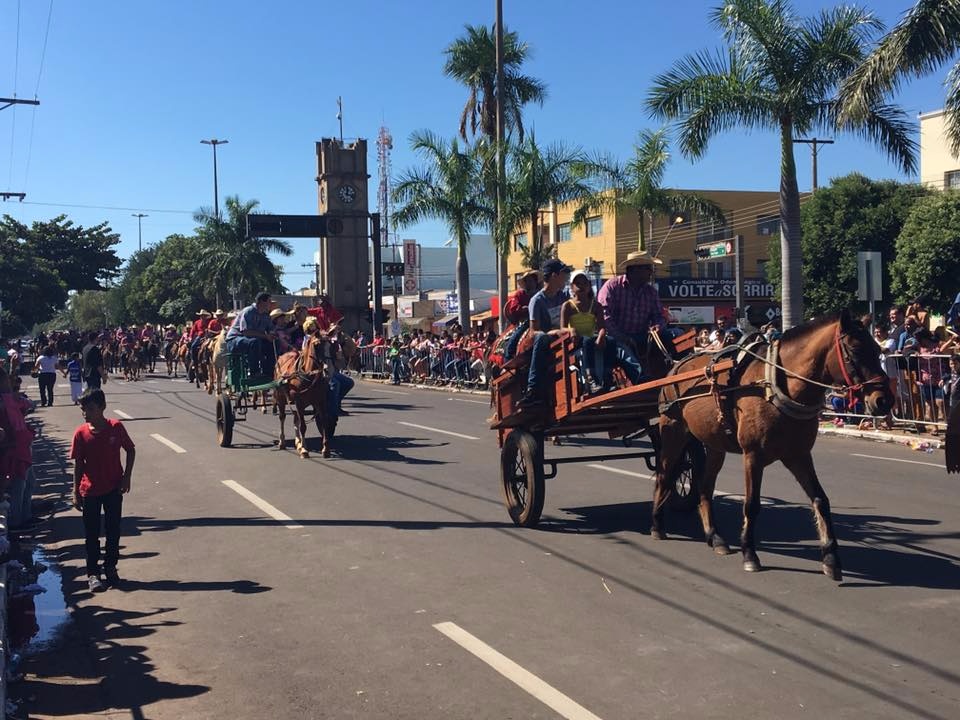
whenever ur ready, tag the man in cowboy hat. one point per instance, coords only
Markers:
(216, 323)
(252, 333)
(632, 307)
(516, 308)
(198, 332)
(545, 309)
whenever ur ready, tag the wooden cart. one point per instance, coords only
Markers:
(629, 413)
(234, 402)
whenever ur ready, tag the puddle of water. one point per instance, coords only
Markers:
(35, 621)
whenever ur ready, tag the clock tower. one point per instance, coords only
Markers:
(344, 257)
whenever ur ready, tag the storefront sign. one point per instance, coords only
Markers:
(691, 315)
(709, 289)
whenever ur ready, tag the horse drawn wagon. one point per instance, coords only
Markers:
(235, 401)
(629, 413)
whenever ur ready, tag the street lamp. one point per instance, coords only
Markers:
(676, 221)
(139, 217)
(213, 142)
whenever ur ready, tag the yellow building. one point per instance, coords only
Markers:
(939, 168)
(605, 240)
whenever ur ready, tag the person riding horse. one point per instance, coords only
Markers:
(198, 332)
(632, 309)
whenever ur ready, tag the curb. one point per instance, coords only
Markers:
(434, 388)
(918, 442)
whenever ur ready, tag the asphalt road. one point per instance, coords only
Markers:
(398, 588)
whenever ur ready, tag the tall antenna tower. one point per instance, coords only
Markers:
(384, 146)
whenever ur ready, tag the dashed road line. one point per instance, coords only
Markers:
(389, 392)
(122, 414)
(890, 459)
(524, 679)
(476, 402)
(169, 443)
(438, 430)
(288, 522)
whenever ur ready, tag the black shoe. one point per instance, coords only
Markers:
(111, 576)
(530, 399)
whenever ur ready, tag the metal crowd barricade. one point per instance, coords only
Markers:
(917, 385)
(434, 366)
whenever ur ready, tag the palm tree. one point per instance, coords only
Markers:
(535, 178)
(780, 73)
(637, 186)
(927, 37)
(450, 189)
(471, 60)
(230, 259)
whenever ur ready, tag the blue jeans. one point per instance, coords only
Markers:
(260, 354)
(396, 366)
(510, 351)
(110, 508)
(627, 359)
(539, 360)
(340, 385)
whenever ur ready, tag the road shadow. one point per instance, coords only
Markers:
(876, 550)
(377, 448)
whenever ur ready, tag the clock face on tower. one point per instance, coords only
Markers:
(347, 194)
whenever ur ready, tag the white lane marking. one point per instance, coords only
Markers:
(716, 491)
(526, 680)
(122, 414)
(63, 385)
(152, 381)
(477, 402)
(437, 430)
(169, 443)
(262, 504)
(390, 392)
(890, 459)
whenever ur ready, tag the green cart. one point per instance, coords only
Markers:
(234, 403)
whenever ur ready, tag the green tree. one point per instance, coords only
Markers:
(84, 257)
(231, 261)
(926, 38)
(854, 213)
(30, 287)
(927, 258)
(637, 186)
(779, 72)
(449, 188)
(471, 61)
(90, 309)
(536, 177)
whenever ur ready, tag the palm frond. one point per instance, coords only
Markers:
(889, 128)
(951, 106)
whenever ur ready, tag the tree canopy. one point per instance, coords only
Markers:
(927, 262)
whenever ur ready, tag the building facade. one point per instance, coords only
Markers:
(939, 168)
(698, 291)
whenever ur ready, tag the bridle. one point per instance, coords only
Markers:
(852, 382)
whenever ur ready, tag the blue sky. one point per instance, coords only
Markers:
(128, 89)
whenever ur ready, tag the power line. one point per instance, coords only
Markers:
(36, 92)
(107, 207)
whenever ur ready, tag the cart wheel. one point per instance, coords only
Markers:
(225, 420)
(521, 471)
(686, 477)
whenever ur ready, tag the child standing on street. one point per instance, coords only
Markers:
(99, 483)
(75, 372)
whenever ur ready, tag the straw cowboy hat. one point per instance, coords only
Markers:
(530, 273)
(204, 313)
(220, 313)
(231, 315)
(278, 312)
(171, 326)
(639, 258)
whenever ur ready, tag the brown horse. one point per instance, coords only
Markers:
(217, 362)
(768, 411)
(171, 354)
(303, 381)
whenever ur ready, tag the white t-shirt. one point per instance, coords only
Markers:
(48, 363)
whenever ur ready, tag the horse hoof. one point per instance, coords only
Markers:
(833, 572)
(721, 548)
(304, 454)
(658, 534)
(752, 566)
(326, 453)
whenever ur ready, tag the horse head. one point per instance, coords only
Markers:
(859, 366)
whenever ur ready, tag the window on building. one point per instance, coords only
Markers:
(563, 233)
(768, 224)
(718, 269)
(519, 240)
(951, 180)
(710, 230)
(762, 269)
(681, 268)
(594, 226)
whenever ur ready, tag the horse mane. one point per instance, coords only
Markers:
(798, 332)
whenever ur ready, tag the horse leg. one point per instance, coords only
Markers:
(282, 412)
(673, 438)
(753, 474)
(300, 423)
(803, 470)
(708, 482)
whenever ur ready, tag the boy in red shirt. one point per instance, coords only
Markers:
(99, 483)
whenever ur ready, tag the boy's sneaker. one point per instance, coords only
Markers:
(93, 582)
(530, 399)
(111, 576)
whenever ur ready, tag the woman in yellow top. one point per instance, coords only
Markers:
(584, 315)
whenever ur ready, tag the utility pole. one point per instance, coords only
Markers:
(814, 144)
(7, 102)
(340, 116)
(500, 242)
(139, 217)
(316, 270)
(213, 142)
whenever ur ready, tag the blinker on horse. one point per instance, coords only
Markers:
(768, 411)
